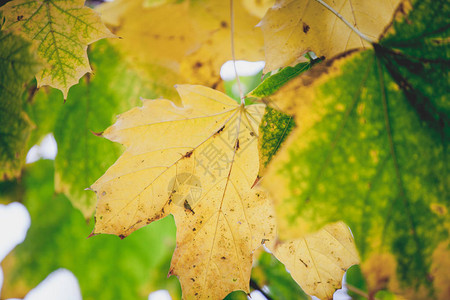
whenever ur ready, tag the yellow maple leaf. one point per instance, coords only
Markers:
(203, 65)
(188, 41)
(318, 261)
(258, 8)
(62, 30)
(293, 27)
(154, 39)
(197, 162)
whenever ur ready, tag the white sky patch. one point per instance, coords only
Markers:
(244, 68)
(342, 294)
(47, 149)
(160, 295)
(14, 223)
(60, 284)
(257, 295)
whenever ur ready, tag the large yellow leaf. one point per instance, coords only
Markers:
(258, 8)
(154, 39)
(318, 261)
(188, 42)
(203, 65)
(161, 34)
(293, 27)
(62, 30)
(199, 163)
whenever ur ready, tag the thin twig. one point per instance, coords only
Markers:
(241, 93)
(359, 292)
(362, 35)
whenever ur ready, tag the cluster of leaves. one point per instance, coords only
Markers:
(367, 124)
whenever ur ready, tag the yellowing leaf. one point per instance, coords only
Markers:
(61, 30)
(199, 163)
(293, 27)
(371, 148)
(154, 39)
(183, 42)
(274, 129)
(439, 270)
(380, 272)
(258, 8)
(164, 33)
(203, 65)
(318, 261)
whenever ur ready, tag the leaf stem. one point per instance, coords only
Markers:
(361, 35)
(357, 291)
(241, 93)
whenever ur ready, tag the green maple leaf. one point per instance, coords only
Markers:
(273, 81)
(371, 150)
(61, 29)
(18, 65)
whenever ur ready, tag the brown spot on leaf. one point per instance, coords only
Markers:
(19, 18)
(223, 24)
(304, 263)
(305, 28)
(188, 207)
(188, 154)
(220, 130)
(198, 65)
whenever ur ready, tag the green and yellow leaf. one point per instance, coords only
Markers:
(274, 129)
(371, 148)
(61, 30)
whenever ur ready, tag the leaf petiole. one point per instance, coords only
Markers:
(241, 93)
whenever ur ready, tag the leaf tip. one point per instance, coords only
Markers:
(100, 134)
(92, 234)
(258, 177)
(170, 273)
